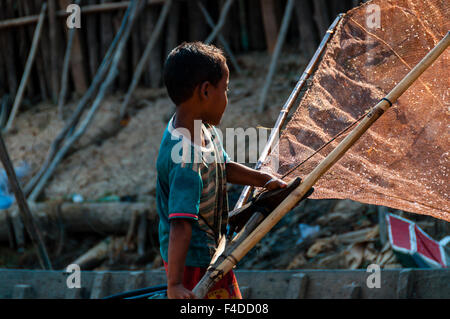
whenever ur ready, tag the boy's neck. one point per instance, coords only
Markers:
(185, 118)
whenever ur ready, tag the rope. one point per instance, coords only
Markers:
(324, 145)
(390, 103)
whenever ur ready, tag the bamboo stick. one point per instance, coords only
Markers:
(145, 56)
(270, 23)
(113, 6)
(243, 23)
(255, 20)
(256, 37)
(65, 71)
(92, 42)
(197, 26)
(154, 65)
(82, 104)
(65, 74)
(54, 48)
(106, 35)
(89, 9)
(123, 79)
(305, 24)
(142, 234)
(112, 74)
(288, 105)
(24, 210)
(220, 37)
(94, 255)
(173, 22)
(281, 119)
(246, 230)
(3, 109)
(220, 23)
(382, 211)
(320, 15)
(45, 48)
(131, 230)
(23, 50)
(25, 9)
(26, 73)
(7, 56)
(77, 68)
(217, 272)
(279, 45)
(11, 23)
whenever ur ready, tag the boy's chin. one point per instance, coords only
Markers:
(214, 122)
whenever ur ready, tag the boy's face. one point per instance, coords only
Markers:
(217, 99)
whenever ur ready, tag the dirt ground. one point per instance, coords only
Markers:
(114, 159)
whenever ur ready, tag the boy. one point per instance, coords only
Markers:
(193, 170)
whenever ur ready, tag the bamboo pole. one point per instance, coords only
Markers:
(65, 74)
(279, 45)
(320, 15)
(81, 106)
(243, 23)
(112, 74)
(7, 58)
(256, 36)
(54, 48)
(220, 23)
(288, 105)
(145, 56)
(153, 70)
(246, 230)
(173, 23)
(92, 42)
(25, 7)
(89, 9)
(26, 72)
(3, 109)
(270, 23)
(95, 255)
(106, 35)
(305, 25)
(216, 272)
(77, 68)
(65, 71)
(220, 37)
(24, 210)
(280, 122)
(281, 119)
(12, 8)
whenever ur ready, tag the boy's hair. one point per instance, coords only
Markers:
(189, 65)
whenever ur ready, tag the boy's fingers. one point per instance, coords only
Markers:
(278, 183)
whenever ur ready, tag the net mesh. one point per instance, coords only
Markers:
(402, 161)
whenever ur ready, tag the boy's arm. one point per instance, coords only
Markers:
(179, 238)
(243, 175)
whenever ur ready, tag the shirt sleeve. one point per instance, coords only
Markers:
(185, 189)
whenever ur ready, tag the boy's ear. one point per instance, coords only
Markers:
(204, 87)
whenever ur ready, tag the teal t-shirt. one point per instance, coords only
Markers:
(187, 187)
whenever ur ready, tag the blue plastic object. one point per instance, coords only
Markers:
(5, 201)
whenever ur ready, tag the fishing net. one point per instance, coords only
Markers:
(402, 161)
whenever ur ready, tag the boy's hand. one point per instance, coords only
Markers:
(274, 183)
(179, 292)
